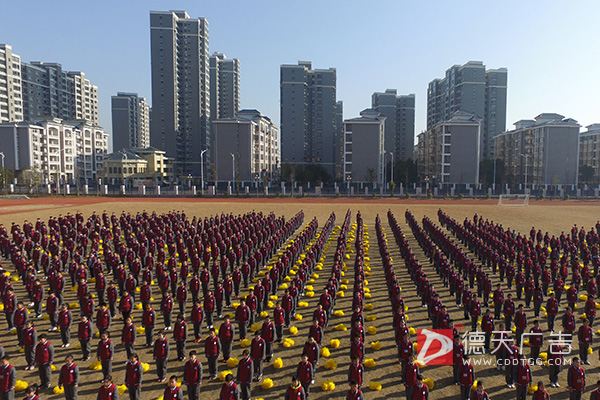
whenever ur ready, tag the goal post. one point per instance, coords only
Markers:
(513, 200)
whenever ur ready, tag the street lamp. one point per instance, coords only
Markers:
(392, 169)
(3, 170)
(525, 156)
(202, 169)
(494, 183)
(232, 169)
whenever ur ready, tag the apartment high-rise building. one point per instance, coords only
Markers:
(541, 151)
(399, 113)
(589, 157)
(309, 117)
(248, 144)
(180, 122)
(224, 86)
(130, 121)
(472, 89)
(448, 152)
(51, 92)
(11, 93)
(364, 138)
(63, 151)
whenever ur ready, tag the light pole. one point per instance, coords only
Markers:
(232, 170)
(392, 169)
(202, 169)
(3, 171)
(494, 183)
(525, 156)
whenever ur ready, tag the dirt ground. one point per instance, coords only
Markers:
(551, 216)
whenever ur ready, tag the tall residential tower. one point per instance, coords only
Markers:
(11, 92)
(472, 89)
(399, 113)
(180, 122)
(130, 121)
(224, 86)
(309, 117)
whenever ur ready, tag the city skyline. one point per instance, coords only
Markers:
(542, 78)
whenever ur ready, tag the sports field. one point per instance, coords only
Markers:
(551, 216)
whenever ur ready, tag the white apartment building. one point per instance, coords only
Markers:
(248, 145)
(11, 90)
(65, 152)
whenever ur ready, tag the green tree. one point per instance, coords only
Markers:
(31, 177)
(586, 175)
(486, 172)
(6, 177)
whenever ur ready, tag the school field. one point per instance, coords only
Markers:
(551, 216)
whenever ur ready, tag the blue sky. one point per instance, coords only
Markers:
(551, 50)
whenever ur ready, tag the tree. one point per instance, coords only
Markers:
(6, 177)
(586, 174)
(405, 171)
(31, 177)
(371, 175)
(486, 172)
(303, 174)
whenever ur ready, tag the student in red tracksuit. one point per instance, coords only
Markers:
(166, 307)
(129, 336)
(44, 357)
(279, 320)
(467, 377)
(542, 394)
(173, 392)
(30, 393)
(354, 393)
(295, 391)
(568, 321)
(192, 376)
(520, 323)
(197, 316)
(84, 334)
(161, 355)
(65, 319)
(106, 353)
(29, 343)
(576, 380)
(421, 391)
(69, 378)
(103, 318)
(226, 334)
(523, 378)
(229, 389)
(479, 393)
(212, 349)
(108, 390)
(357, 348)
(8, 378)
(306, 374)
(355, 372)
(457, 357)
(536, 340)
(311, 348)
(410, 378)
(149, 322)
(245, 375)
(242, 316)
(586, 338)
(258, 352)
(180, 334)
(552, 310)
(268, 334)
(134, 375)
